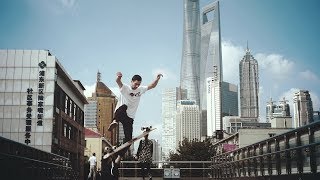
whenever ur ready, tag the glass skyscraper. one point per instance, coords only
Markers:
(249, 86)
(189, 78)
(210, 65)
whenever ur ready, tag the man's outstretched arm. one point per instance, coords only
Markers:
(118, 80)
(155, 82)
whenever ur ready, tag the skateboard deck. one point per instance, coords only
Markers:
(129, 143)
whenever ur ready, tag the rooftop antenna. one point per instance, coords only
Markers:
(98, 76)
(248, 50)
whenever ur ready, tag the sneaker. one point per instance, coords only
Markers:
(113, 125)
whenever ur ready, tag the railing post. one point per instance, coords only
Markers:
(278, 157)
(299, 153)
(288, 155)
(249, 162)
(269, 159)
(255, 164)
(313, 160)
(261, 159)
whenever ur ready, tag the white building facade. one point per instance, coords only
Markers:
(188, 121)
(169, 107)
(214, 119)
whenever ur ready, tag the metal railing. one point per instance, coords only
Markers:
(19, 161)
(294, 153)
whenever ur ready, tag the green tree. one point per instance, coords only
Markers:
(193, 151)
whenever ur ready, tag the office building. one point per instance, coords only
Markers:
(232, 124)
(188, 121)
(279, 115)
(41, 105)
(169, 107)
(156, 150)
(302, 108)
(229, 99)
(90, 114)
(99, 112)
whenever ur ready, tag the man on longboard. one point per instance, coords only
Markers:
(128, 103)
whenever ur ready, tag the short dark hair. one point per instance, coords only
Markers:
(136, 78)
(94, 154)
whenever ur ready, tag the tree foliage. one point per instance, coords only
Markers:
(193, 151)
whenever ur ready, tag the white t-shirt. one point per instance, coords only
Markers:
(131, 98)
(93, 160)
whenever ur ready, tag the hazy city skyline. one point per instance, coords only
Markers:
(145, 37)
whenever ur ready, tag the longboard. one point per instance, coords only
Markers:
(129, 143)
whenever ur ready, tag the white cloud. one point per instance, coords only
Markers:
(89, 89)
(288, 95)
(167, 74)
(231, 56)
(308, 75)
(315, 101)
(68, 3)
(275, 65)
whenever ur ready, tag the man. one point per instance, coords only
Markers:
(93, 166)
(144, 155)
(128, 103)
(109, 165)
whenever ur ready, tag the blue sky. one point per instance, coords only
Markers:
(145, 37)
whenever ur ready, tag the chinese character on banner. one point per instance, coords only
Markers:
(41, 73)
(29, 90)
(40, 104)
(41, 85)
(39, 123)
(27, 135)
(28, 116)
(27, 141)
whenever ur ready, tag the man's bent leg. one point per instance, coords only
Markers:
(119, 115)
(127, 124)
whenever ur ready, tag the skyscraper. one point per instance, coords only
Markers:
(229, 99)
(188, 120)
(302, 108)
(169, 107)
(189, 78)
(90, 113)
(249, 86)
(99, 111)
(211, 63)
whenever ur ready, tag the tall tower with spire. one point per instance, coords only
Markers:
(249, 86)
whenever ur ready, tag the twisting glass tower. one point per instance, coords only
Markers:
(249, 86)
(189, 78)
